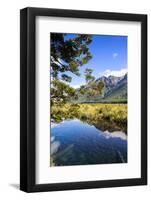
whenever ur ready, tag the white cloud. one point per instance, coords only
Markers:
(76, 86)
(114, 55)
(117, 73)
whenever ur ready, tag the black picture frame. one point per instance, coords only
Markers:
(28, 99)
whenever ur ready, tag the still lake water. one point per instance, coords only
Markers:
(76, 143)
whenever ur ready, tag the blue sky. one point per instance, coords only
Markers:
(109, 57)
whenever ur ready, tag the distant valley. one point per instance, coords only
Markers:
(114, 91)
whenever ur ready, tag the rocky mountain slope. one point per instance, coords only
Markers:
(115, 90)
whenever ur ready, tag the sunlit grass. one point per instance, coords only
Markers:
(115, 114)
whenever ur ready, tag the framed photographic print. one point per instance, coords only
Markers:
(83, 95)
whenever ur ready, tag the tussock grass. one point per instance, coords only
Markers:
(114, 115)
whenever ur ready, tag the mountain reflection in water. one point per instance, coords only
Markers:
(76, 143)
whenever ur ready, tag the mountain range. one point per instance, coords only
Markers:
(115, 90)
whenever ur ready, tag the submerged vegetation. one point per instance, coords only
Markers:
(103, 116)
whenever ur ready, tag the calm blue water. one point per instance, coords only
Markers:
(76, 143)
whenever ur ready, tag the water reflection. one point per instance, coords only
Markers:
(54, 147)
(76, 143)
(115, 134)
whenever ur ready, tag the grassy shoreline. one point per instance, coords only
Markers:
(103, 116)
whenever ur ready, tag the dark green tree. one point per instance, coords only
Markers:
(100, 86)
(68, 54)
(88, 75)
(94, 89)
(61, 92)
(82, 90)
